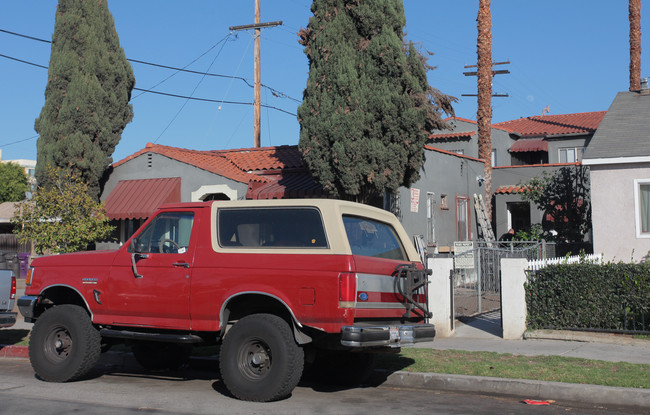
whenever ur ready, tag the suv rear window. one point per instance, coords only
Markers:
(371, 238)
(271, 227)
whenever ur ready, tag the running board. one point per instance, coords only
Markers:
(152, 337)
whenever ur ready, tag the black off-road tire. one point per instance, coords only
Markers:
(161, 356)
(260, 360)
(63, 345)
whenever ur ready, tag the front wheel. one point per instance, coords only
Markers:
(260, 360)
(63, 345)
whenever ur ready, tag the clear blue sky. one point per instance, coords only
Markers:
(571, 55)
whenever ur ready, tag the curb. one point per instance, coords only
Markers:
(19, 352)
(587, 337)
(530, 389)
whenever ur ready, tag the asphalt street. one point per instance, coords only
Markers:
(118, 386)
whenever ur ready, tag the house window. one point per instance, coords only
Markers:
(443, 202)
(642, 207)
(571, 154)
(494, 157)
(462, 218)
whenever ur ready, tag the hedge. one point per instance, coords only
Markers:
(612, 297)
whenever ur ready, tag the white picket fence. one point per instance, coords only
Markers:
(537, 264)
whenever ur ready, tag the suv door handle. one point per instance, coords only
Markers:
(181, 264)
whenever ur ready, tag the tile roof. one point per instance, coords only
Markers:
(496, 126)
(235, 164)
(461, 135)
(550, 125)
(271, 172)
(507, 190)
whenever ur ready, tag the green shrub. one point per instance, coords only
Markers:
(614, 296)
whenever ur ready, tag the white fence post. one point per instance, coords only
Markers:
(513, 297)
(440, 296)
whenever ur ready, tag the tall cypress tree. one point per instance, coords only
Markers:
(87, 94)
(367, 109)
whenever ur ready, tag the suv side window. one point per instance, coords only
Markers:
(371, 238)
(271, 227)
(168, 233)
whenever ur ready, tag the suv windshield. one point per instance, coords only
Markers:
(371, 238)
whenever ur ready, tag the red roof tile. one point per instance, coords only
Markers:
(507, 190)
(465, 135)
(549, 125)
(234, 164)
(271, 172)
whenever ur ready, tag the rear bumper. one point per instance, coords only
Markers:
(394, 336)
(7, 319)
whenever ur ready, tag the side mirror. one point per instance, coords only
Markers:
(136, 256)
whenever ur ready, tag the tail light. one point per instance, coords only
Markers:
(13, 288)
(347, 289)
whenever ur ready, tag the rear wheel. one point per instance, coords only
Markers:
(161, 356)
(260, 360)
(63, 345)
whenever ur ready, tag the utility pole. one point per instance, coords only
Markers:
(257, 26)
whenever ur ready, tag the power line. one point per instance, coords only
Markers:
(219, 101)
(25, 36)
(274, 91)
(19, 141)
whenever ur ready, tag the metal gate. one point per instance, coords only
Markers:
(477, 275)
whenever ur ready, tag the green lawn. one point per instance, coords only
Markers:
(547, 368)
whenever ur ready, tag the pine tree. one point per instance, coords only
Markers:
(367, 109)
(87, 94)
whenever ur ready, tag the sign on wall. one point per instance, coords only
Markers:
(415, 200)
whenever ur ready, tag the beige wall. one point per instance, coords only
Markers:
(613, 211)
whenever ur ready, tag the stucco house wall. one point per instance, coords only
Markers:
(613, 210)
(501, 141)
(555, 144)
(443, 178)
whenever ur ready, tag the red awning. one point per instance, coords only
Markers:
(529, 144)
(137, 199)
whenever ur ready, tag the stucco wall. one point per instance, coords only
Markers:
(555, 144)
(613, 211)
(442, 174)
(501, 142)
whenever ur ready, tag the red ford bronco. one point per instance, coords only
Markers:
(279, 284)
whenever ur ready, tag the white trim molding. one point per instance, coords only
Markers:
(199, 194)
(616, 160)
